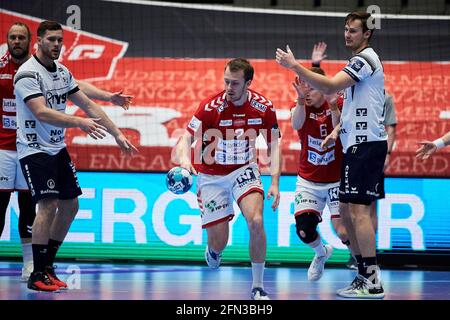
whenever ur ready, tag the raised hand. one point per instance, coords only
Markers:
(318, 53)
(301, 87)
(285, 58)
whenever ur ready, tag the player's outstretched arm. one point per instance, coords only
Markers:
(89, 125)
(116, 98)
(326, 85)
(183, 152)
(95, 111)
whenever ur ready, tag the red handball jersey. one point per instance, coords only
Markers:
(8, 125)
(228, 133)
(317, 165)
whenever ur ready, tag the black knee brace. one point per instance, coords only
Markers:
(306, 224)
(27, 213)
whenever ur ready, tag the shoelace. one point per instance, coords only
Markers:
(46, 280)
(359, 284)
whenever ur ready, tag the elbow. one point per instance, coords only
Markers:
(41, 115)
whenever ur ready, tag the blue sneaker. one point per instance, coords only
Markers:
(259, 294)
(212, 259)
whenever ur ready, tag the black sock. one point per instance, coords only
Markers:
(53, 247)
(359, 261)
(39, 256)
(370, 264)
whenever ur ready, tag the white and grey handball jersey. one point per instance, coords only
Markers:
(363, 111)
(55, 85)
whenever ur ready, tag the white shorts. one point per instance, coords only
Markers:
(215, 193)
(11, 176)
(312, 197)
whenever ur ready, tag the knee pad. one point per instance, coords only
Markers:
(306, 225)
(27, 213)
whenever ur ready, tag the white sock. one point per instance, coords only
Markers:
(258, 274)
(318, 247)
(27, 253)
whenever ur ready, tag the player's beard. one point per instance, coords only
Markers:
(21, 55)
(50, 54)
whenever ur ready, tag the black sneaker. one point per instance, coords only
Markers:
(39, 281)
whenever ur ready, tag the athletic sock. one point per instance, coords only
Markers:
(39, 257)
(53, 247)
(27, 253)
(258, 274)
(359, 261)
(318, 246)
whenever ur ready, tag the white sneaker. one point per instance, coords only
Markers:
(315, 270)
(259, 294)
(362, 288)
(213, 262)
(26, 271)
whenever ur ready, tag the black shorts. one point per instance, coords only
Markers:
(50, 176)
(362, 178)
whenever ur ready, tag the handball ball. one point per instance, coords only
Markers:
(179, 180)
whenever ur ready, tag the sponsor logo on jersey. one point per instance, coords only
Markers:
(239, 122)
(361, 112)
(239, 115)
(360, 139)
(225, 123)
(361, 126)
(315, 143)
(54, 100)
(258, 106)
(254, 121)
(320, 159)
(195, 124)
(56, 135)
(30, 124)
(313, 116)
(5, 76)
(34, 145)
(9, 122)
(222, 107)
(9, 105)
(31, 137)
(356, 64)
